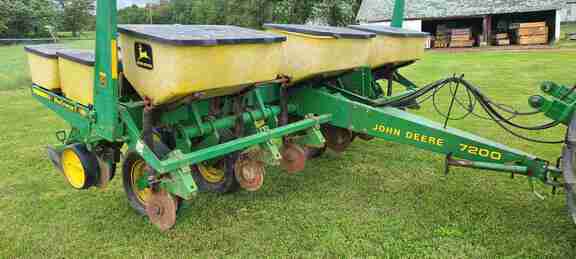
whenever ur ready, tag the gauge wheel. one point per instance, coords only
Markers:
(314, 152)
(135, 175)
(80, 167)
(218, 175)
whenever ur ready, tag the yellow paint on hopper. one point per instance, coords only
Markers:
(180, 70)
(77, 81)
(387, 49)
(44, 71)
(306, 56)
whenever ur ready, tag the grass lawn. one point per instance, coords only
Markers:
(377, 198)
(565, 43)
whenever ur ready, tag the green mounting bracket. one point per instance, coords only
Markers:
(180, 182)
(273, 156)
(560, 106)
(558, 91)
(312, 138)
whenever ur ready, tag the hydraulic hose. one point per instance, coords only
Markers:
(568, 168)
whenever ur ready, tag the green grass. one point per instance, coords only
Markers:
(564, 42)
(377, 198)
(14, 66)
(81, 35)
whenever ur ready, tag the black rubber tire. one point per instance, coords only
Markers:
(313, 153)
(229, 184)
(113, 167)
(130, 159)
(89, 164)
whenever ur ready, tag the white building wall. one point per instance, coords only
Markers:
(415, 25)
(569, 13)
(558, 29)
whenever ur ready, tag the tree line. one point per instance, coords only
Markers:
(246, 13)
(36, 18)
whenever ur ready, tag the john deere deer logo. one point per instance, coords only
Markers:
(143, 55)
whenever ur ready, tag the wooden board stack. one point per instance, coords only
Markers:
(502, 39)
(532, 33)
(461, 38)
(442, 37)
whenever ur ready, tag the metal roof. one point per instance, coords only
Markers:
(381, 10)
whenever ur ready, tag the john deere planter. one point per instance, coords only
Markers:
(208, 108)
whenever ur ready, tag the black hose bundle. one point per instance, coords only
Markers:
(494, 110)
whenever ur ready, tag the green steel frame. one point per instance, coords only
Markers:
(353, 100)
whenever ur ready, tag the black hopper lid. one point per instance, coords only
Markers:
(85, 57)
(326, 31)
(199, 35)
(45, 50)
(390, 31)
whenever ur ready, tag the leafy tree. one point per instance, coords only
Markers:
(247, 13)
(133, 15)
(3, 16)
(335, 13)
(26, 18)
(77, 15)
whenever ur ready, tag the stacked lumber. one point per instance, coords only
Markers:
(461, 38)
(532, 33)
(502, 39)
(442, 37)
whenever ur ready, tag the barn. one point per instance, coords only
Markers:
(475, 22)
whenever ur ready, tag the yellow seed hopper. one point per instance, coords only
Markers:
(314, 50)
(394, 45)
(77, 74)
(167, 62)
(43, 63)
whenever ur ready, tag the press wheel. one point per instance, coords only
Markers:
(217, 175)
(135, 178)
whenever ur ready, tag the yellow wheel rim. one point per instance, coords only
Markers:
(137, 171)
(211, 174)
(73, 169)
